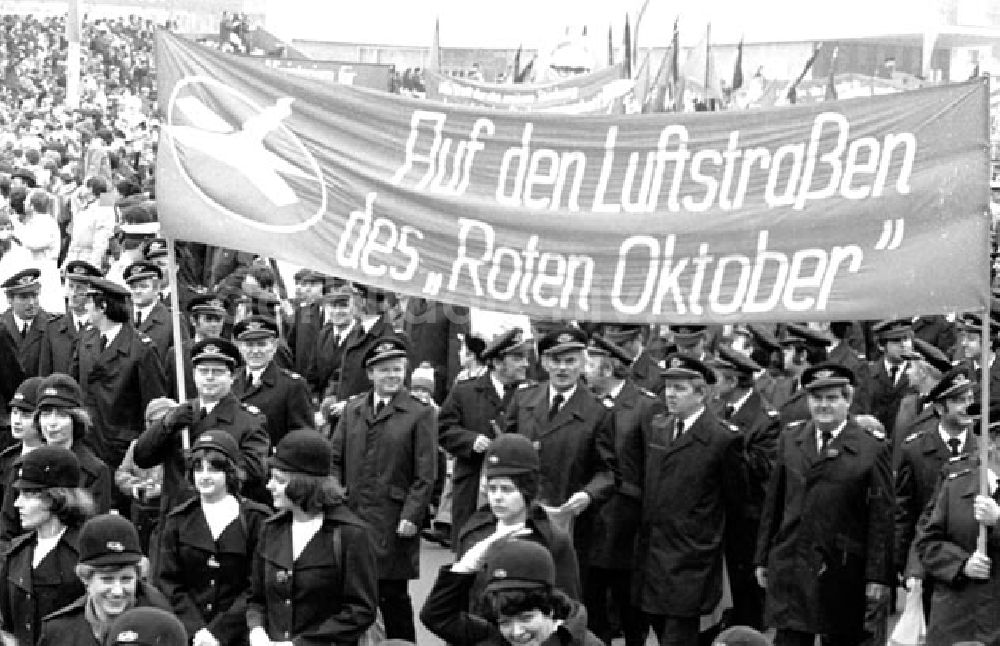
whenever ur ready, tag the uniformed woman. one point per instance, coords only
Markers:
(512, 472)
(38, 570)
(25, 433)
(314, 572)
(208, 544)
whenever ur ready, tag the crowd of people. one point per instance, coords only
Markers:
(261, 466)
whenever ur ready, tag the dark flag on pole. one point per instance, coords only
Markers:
(805, 70)
(517, 64)
(628, 49)
(611, 47)
(677, 82)
(738, 69)
(831, 81)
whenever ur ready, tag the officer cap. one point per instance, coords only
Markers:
(972, 323)
(154, 248)
(220, 441)
(803, 336)
(686, 332)
(59, 391)
(763, 338)
(826, 375)
(141, 270)
(953, 383)
(109, 539)
(146, 626)
(26, 396)
(599, 345)
(81, 270)
(48, 466)
(311, 276)
(893, 329)
(565, 339)
(517, 564)
(341, 293)
(729, 359)
(300, 274)
(924, 351)
(106, 287)
(207, 303)
(255, 327)
(510, 342)
(388, 347)
(544, 326)
(511, 454)
(303, 451)
(23, 282)
(621, 334)
(216, 349)
(680, 366)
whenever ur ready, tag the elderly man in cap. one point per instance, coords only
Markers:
(612, 555)
(740, 404)
(150, 316)
(824, 545)
(472, 415)
(692, 340)
(118, 369)
(571, 429)
(889, 383)
(923, 455)
(338, 322)
(216, 408)
(694, 485)
(384, 453)
(374, 324)
(64, 332)
(25, 320)
(207, 315)
(970, 339)
(282, 395)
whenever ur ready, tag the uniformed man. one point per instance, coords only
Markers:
(693, 485)
(802, 347)
(925, 366)
(279, 393)
(338, 322)
(612, 555)
(841, 352)
(646, 370)
(473, 414)
(889, 383)
(824, 545)
(216, 408)
(118, 369)
(970, 338)
(692, 340)
(374, 324)
(571, 429)
(307, 320)
(150, 315)
(738, 403)
(62, 334)
(25, 320)
(207, 314)
(385, 455)
(923, 455)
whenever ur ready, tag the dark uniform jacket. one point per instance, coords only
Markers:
(826, 529)
(963, 609)
(692, 486)
(885, 396)
(323, 374)
(326, 596)
(208, 580)
(118, 383)
(159, 327)
(170, 371)
(32, 593)
(12, 374)
(303, 334)
(32, 346)
(472, 408)
(388, 463)
(353, 374)
(245, 423)
(936, 330)
(845, 355)
(69, 626)
(283, 397)
(433, 328)
(923, 456)
(616, 521)
(60, 343)
(648, 373)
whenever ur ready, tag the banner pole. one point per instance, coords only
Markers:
(986, 353)
(175, 314)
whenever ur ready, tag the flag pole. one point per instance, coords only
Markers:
(984, 421)
(175, 314)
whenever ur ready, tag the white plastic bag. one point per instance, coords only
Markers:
(912, 628)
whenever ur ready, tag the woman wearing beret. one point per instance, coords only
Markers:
(314, 571)
(207, 545)
(39, 569)
(511, 468)
(111, 568)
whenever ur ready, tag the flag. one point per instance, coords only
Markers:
(831, 82)
(611, 47)
(805, 70)
(738, 69)
(661, 83)
(517, 63)
(699, 70)
(435, 63)
(628, 49)
(520, 78)
(640, 91)
(677, 86)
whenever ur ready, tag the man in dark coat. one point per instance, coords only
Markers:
(11, 377)
(922, 456)
(572, 432)
(25, 320)
(385, 455)
(612, 553)
(843, 354)
(889, 383)
(338, 322)
(118, 369)
(307, 321)
(970, 338)
(740, 405)
(208, 318)
(63, 333)
(823, 549)
(374, 325)
(802, 347)
(280, 394)
(694, 483)
(471, 418)
(433, 329)
(151, 316)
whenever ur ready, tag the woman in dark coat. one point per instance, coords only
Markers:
(39, 568)
(207, 546)
(511, 468)
(314, 571)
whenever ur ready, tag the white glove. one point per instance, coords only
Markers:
(473, 560)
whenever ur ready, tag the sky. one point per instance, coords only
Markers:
(536, 23)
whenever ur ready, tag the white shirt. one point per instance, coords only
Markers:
(376, 399)
(961, 437)
(690, 420)
(565, 395)
(617, 390)
(899, 372)
(302, 533)
(79, 321)
(255, 375)
(22, 324)
(111, 334)
(44, 546)
(497, 384)
(369, 322)
(834, 433)
(208, 406)
(145, 311)
(219, 515)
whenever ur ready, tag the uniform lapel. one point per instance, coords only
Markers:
(567, 412)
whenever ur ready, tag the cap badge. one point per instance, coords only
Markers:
(255, 325)
(128, 636)
(823, 374)
(50, 392)
(215, 302)
(115, 546)
(565, 337)
(960, 380)
(79, 269)
(499, 573)
(212, 349)
(676, 362)
(385, 347)
(493, 459)
(19, 396)
(26, 280)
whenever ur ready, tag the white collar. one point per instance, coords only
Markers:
(112, 332)
(691, 419)
(566, 395)
(961, 437)
(145, 311)
(497, 384)
(20, 322)
(738, 404)
(208, 406)
(369, 322)
(834, 433)
(617, 390)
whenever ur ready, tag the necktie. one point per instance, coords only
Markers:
(251, 382)
(24, 330)
(825, 437)
(893, 373)
(954, 444)
(379, 407)
(556, 403)
(138, 319)
(678, 428)
(103, 343)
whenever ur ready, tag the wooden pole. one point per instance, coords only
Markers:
(175, 313)
(986, 355)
